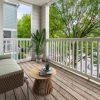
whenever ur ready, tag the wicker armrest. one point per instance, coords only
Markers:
(5, 56)
(11, 75)
(11, 81)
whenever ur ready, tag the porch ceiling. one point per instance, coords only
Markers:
(36, 2)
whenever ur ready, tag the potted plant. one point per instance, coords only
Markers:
(38, 40)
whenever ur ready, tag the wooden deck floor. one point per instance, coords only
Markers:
(67, 86)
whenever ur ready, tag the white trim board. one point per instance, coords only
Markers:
(35, 2)
(8, 29)
(51, 2)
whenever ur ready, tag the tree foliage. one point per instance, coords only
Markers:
(24, 27)
(75, 18)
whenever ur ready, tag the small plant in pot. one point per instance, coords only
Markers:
(38, 40)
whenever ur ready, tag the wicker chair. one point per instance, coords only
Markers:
(11, 76)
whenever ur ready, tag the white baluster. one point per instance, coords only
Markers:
(69, 53)
(6, 46)
(51, 51)
(98, 59)
(77, 56)
(17, 48)
(81, 62)
(25, 48)
(91, 58)
(30, 51)
(73, 54)
(54, 50)
(27, 54)
(58, 53)
(86, 57)
(61, 52)
(63, 58)
(20, 50)
(66, 60)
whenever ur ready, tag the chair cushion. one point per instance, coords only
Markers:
(9, 69)
(8, 66)
(7, 62)
(11, 75)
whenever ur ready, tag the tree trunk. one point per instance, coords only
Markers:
(75, 54)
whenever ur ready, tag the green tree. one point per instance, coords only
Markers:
(24, 27)
(75, 18)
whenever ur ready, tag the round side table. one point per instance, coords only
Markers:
(42, 84)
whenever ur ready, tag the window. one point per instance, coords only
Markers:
(7, 34)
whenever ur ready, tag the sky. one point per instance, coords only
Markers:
(22, 10)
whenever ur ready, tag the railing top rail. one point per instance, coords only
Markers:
(73, 39)
(17, 39)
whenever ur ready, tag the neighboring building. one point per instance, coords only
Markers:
(10, 20)
(9, 26)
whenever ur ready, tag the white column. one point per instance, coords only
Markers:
(45, 24)
(35, 18)
(35, 23)
(1, 27)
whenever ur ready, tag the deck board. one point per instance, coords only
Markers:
(81, 81)
(19, 94)
(2, 97)
(10, 95)
(67, 86)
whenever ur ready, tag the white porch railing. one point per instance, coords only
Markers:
(80, 55)
(18, 48)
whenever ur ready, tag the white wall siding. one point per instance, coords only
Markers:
(10, 16)
(35, 18)
(35, 23)
(1, 27)
(40, 18)
(45, 19)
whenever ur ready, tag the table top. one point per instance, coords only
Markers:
(35, 73)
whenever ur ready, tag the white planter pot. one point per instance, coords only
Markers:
(39, 57)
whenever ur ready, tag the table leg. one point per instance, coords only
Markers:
(42, 87)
